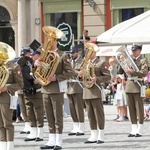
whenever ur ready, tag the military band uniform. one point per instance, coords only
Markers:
(33, 102)
(14, 83)
(135, 102)
(54, 100)
(76, 103)
(94, 104)
(21, 99)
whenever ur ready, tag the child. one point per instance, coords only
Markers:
(147, 112)
(120, 98)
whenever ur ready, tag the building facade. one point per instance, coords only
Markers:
(21, 21)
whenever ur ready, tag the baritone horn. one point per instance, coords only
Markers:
(49, 59)
(87, 67)
(7, 53)
(126, 62)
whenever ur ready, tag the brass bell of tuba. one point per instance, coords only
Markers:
(87, 67)
(7, 53)
(49, 59)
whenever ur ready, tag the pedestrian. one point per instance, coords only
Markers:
(85, 36)
(13, 83)
(92, 94)
(53, 93)
(75, 94)
(132, 89)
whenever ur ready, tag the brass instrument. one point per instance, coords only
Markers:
(87, 67)
(49, 59)
(7, 53)
(126, 62)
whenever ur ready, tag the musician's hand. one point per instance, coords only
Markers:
(52, 78)
(129, 71)
(37, 63)
(94, 79)
(80, 74)
(36, 81)
(3, 89)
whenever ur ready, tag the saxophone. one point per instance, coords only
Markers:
(49, 59)
(87, 67)
(7, 53)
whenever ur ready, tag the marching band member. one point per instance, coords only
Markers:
(53, 98)
(74, 93)
(132, 89)
(33, 100)
(26, 130)
(93, 97)
(13, 84)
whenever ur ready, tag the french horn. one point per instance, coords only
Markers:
(49, 59)
(7, 53)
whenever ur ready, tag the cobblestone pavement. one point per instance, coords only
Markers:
(115, 135)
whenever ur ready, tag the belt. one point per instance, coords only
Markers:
(38, 90)
(73, 80)
(135, 79)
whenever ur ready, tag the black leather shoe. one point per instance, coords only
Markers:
(88, 142)
(71, 133)
(46, 147)
(27, 139)
(131, 135)
(23, 132)
(28, 132)
(38, 139)
(78, 134)
(57, 147)
(99, 142)
(138, 135)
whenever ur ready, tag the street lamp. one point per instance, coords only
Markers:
(91, 3)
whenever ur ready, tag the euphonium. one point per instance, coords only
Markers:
(49, 59)
(87, 67)
(125, 60)
(7, 53)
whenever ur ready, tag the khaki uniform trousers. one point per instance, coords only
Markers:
(76, 105)
(95, 113)
(35, 109)
(136, 108)
(23, 107)
(6, 126)
(53, 104)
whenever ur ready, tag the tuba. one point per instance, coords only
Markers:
(125, 60)
(7, 53)
(87, 67)
(49, 59)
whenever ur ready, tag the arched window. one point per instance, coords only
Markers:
(4, 16)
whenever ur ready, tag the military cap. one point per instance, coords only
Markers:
(136, 46)
(74, 49)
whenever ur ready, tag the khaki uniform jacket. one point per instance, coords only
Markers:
(74, 87)
(63, 72)
(103, 75)
(131, 86)
(14, 82)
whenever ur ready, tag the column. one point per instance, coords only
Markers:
(36, 13)
(21, 24)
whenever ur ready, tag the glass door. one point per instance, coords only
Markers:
(67, 23)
